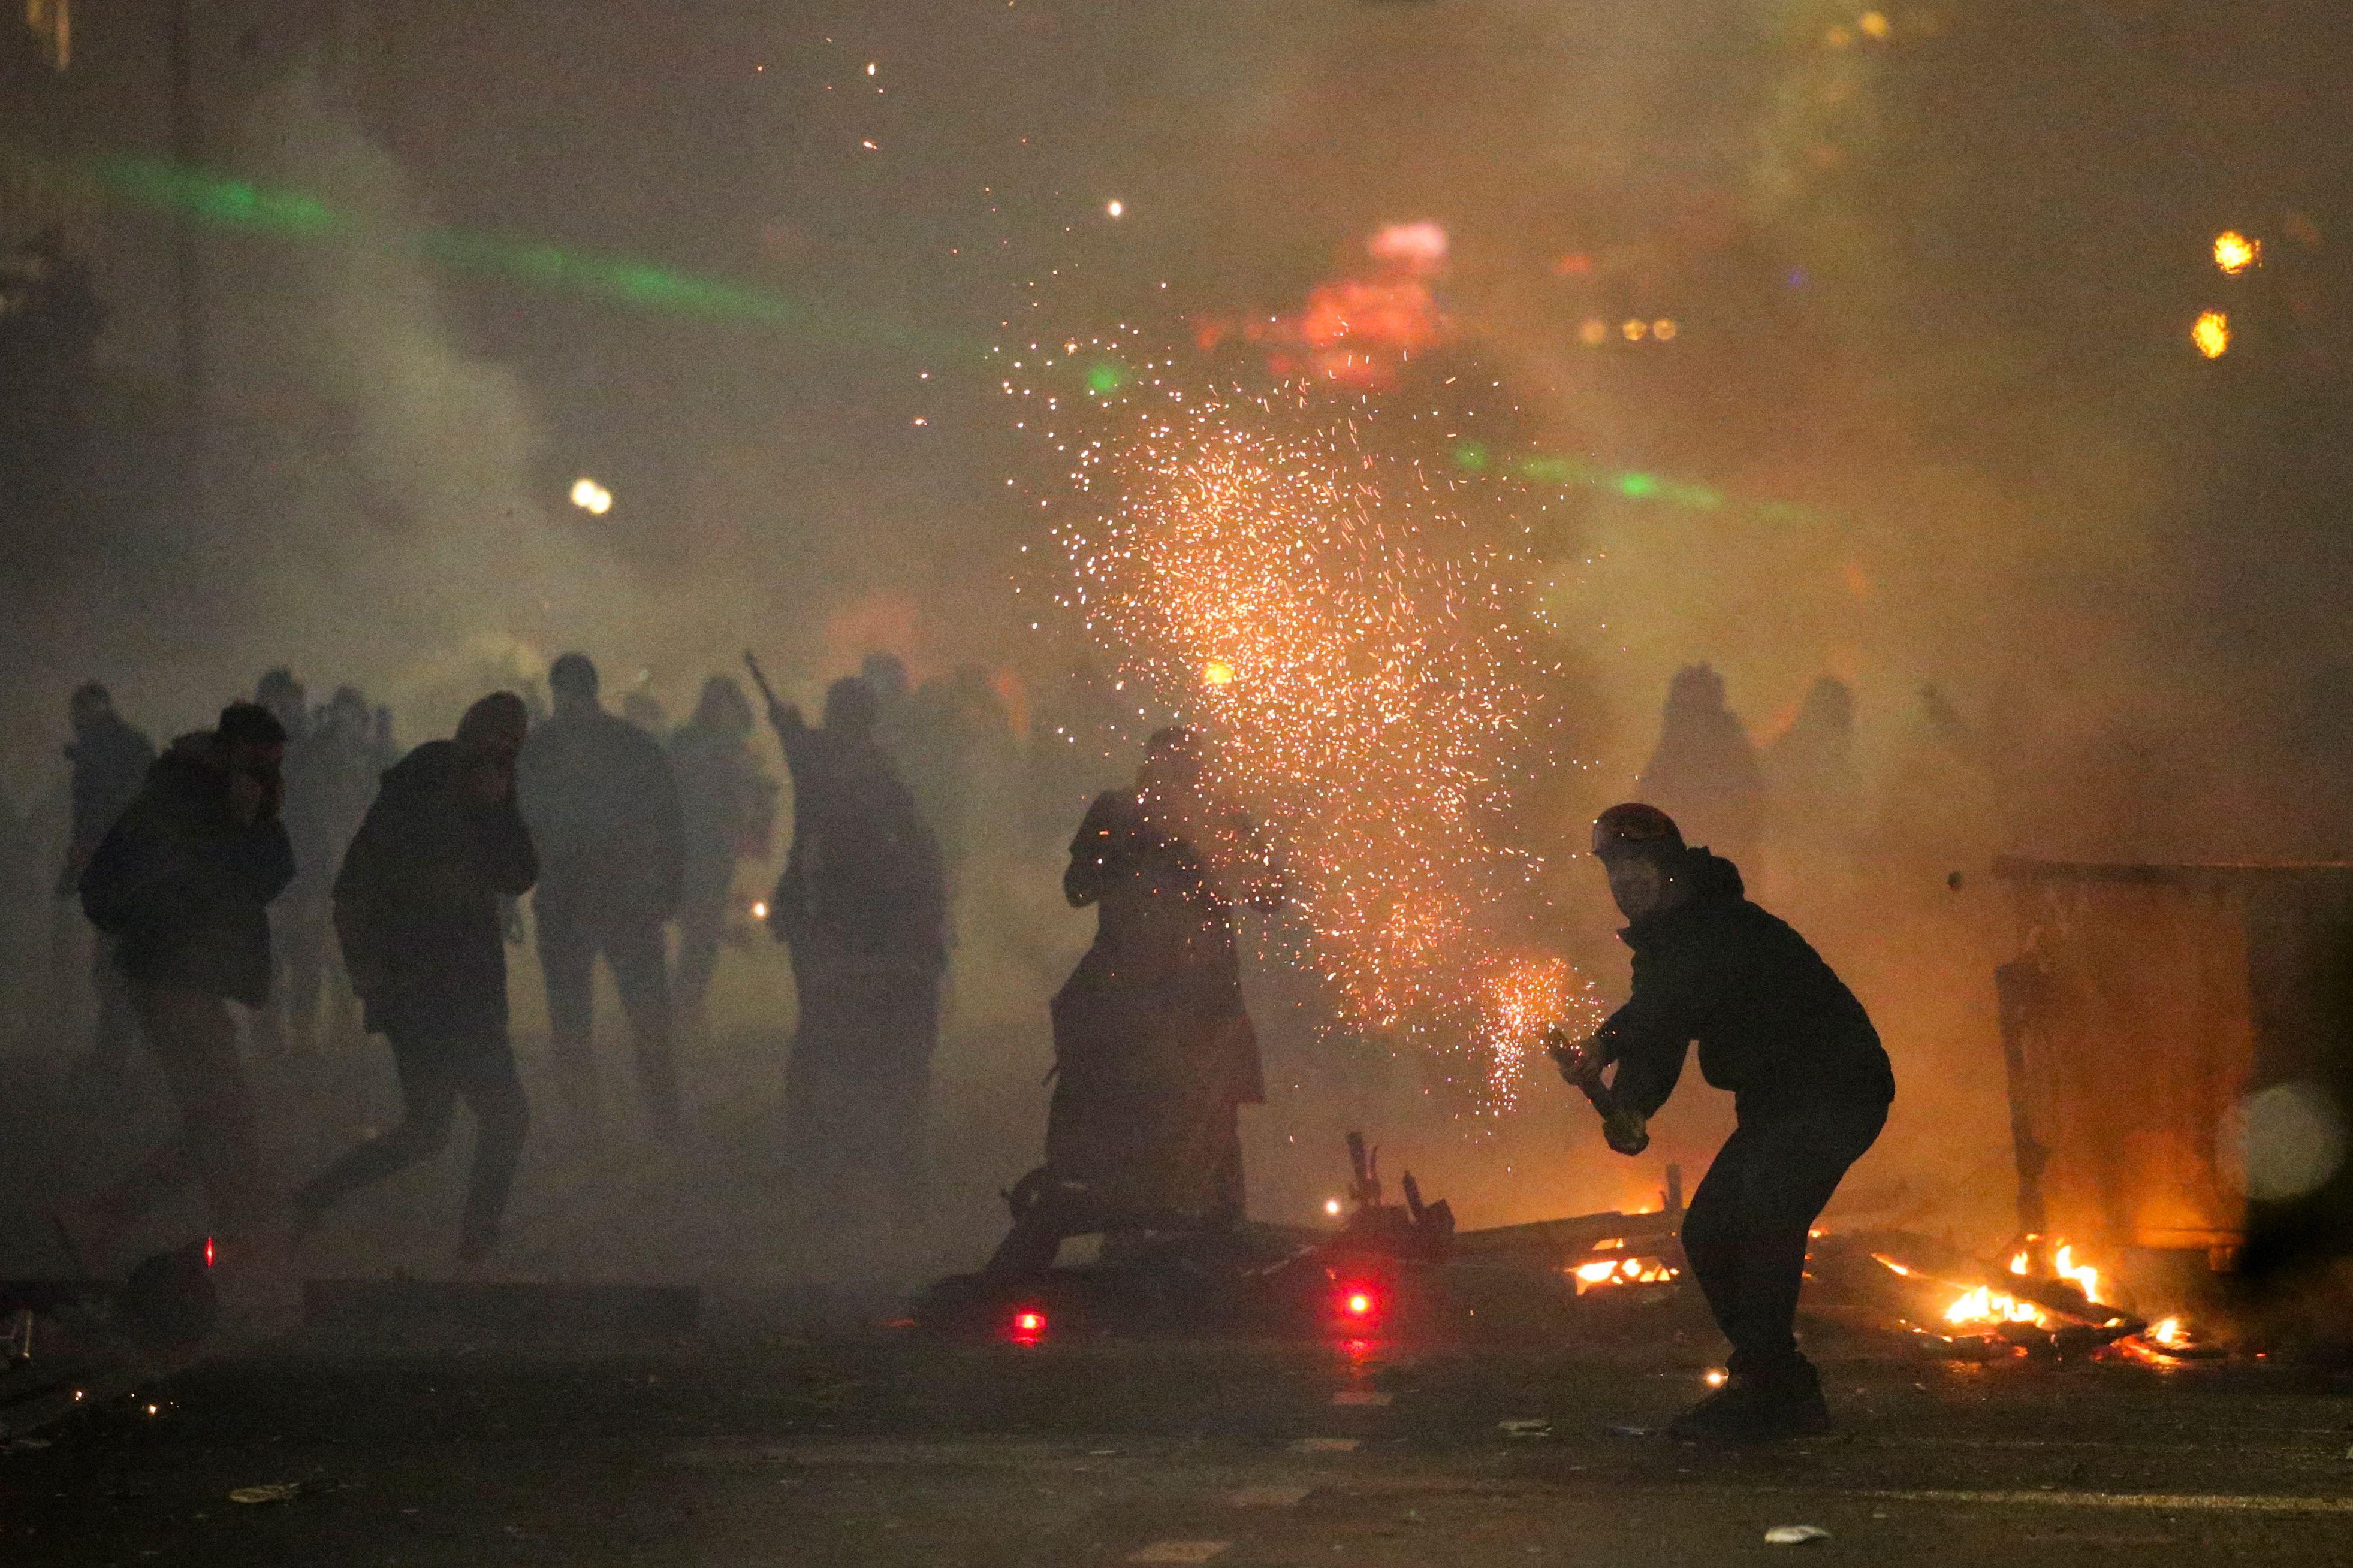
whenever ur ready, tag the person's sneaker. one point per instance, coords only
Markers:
(1757, 1410)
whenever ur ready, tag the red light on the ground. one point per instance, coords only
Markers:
(1026, 1326)
(1360, 1304)
(208, 1252)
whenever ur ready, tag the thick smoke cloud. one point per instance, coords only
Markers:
(1929, 356)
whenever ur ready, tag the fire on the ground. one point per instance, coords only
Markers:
(2048, 1296)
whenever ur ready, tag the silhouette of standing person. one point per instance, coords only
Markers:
(603, 814)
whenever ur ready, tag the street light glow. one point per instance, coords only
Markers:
(591, 497)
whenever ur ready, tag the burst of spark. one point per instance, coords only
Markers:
(1389, 715)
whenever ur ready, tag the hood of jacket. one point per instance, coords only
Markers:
(1711, 883)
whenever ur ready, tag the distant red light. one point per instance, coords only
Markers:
(1026, 1326)
(1029, 1322)
(208, 1252)
(1360, 1304)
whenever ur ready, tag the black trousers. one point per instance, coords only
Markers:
(1745, 1233)
(434, 1076)
(572, 934)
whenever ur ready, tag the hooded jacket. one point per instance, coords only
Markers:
(1774, 1024)
(185, 885)
(417, 902)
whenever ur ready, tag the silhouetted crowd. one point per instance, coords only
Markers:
(290, 879)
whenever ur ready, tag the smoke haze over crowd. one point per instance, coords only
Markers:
(1817, 342)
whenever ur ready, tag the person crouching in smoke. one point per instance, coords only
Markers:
(1811, 1084)
(1154, 1052)
(416, 907)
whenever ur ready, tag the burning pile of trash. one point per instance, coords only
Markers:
(2046, 1301)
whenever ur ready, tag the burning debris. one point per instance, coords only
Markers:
(1624, 1271)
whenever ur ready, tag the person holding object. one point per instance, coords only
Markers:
(861, 908)
(418, 913)
(1810, 1079)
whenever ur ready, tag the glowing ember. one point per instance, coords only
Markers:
(1390, 710)
(2168, 1334)
(2212, 333)
(2234, 252)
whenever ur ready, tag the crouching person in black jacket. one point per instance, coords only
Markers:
(417, 908)
(1810, 1082)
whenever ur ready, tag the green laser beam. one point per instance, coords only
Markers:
(1634, 484)
(245, 206)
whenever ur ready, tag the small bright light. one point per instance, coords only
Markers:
(208, 1252)
(1664, 329)
(1360, 1304)
(1029, 1322)
(869, 67)
(1332, 1206)
(1716, 1377)
(1115, 208)
(2212, 333)
(591, 497)
(2234, 252)
(1634, 331)
(759, 909)
(1218, 672)
(1873, 24)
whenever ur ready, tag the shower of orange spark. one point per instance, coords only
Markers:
(1388, 713)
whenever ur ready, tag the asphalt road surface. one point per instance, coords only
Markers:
(773, 1448)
